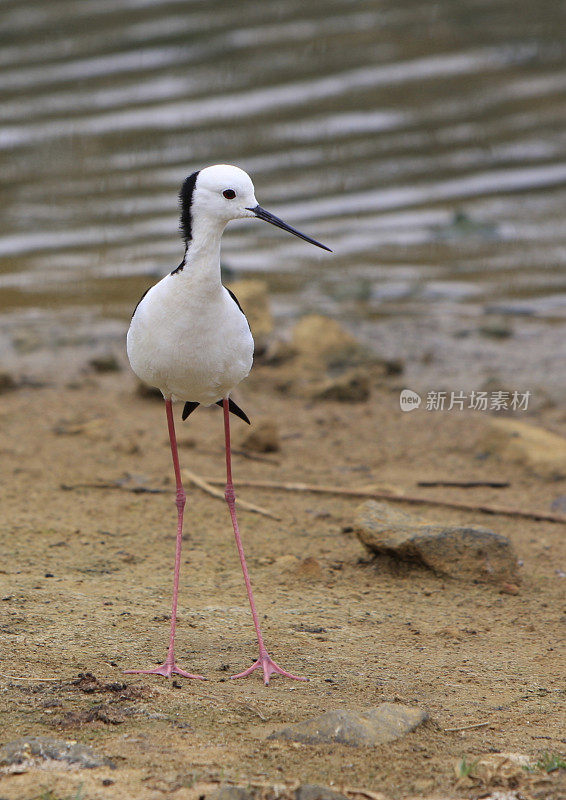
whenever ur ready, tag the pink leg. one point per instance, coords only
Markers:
(264, 662)
(169, 667)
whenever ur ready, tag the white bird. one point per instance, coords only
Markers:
(189, 338)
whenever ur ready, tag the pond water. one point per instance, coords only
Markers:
(424, 142)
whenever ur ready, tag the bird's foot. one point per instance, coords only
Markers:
(268, 667)
(166, 670)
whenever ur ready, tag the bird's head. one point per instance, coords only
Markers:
(223, 192)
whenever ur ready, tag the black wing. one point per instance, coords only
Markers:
(234, 409)
(139, 301)
(189, 407)
(235, 299)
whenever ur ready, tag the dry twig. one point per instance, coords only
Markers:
(363, 792)
(466, 484)
(206, 487)
(22, 678)
(466, 727)
(67, 487)
(256, 457)
(399, 498)
(253, 709)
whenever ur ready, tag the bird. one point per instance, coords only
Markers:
(189, 338)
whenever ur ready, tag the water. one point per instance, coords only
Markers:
(423, 141)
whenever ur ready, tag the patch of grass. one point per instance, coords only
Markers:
(49, 794)
(548, 762)
(465, 768)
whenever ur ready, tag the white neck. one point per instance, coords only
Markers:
(202, 258)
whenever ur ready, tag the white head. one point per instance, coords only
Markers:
(224, 192)
(220, 193)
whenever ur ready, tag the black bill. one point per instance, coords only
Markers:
(261, 213)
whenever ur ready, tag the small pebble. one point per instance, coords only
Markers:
(7, 382)
(509, 588)
(263, 438)
(107, 362)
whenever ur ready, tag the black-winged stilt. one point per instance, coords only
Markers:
(189, 338)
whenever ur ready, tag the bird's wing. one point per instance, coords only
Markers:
(234, 409)
(190, 406)
(235, 299)
(188, 409)
(141, 298)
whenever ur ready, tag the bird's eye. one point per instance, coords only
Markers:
(229, 194)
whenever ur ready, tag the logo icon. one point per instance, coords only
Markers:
(409, 400)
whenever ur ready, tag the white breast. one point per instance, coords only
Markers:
(190, 340)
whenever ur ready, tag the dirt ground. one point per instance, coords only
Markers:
(85, 582)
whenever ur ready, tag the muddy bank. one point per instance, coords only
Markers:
(85, 586)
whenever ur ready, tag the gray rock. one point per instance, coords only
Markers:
(539, 450)
(310, 791)
(7, 382)
(559, 504)
(105, 362)
(323, 343)
(351, 387)
(34, 748)
(465, 553)
(233, 793)
(263, 437)
(278, 352)
(386, 723)
(253, 296)
(496, 330)
(148, 392)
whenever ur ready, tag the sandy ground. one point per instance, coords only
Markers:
(85, 582)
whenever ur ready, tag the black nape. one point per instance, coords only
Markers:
(181, 265)
(186, 201)
(186, 221)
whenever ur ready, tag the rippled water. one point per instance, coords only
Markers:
(423, 141)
